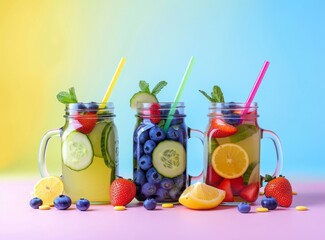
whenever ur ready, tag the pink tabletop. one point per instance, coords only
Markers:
(19, 221)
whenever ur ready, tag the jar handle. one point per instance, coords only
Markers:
(278, 149)
(194, 133)
(42, 150)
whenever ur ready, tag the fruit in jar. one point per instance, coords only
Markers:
(122, 192)
(229, 160)
(225, 185)
(250, 192)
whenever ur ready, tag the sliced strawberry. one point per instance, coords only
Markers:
(220, 129)
(226, 186)
(85, 122)
(213, 179)
(250, 192)
(237, 185)
(155, 113)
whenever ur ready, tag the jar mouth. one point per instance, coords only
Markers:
(89, 110)
(229, 110)
(162, 109)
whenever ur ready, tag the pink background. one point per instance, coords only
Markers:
(19, 221)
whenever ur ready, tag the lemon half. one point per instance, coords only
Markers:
(48, 188)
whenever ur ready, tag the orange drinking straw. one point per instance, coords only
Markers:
(112, 83)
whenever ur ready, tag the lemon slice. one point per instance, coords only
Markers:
(48, 188)
(230, 160)
(201, 196)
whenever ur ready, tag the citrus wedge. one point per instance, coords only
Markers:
(230, 160)
(48, 188)
(201, 196)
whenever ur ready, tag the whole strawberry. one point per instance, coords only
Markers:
(122, 192)
(279, 188)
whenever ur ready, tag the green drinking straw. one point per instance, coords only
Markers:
(179, 93)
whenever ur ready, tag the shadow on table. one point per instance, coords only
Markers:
(309, 199)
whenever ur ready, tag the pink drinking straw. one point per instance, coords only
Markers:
(255, 87)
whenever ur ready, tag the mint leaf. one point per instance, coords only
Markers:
(73, 94)
(206, 95)
(217, 94)
(144, 86)
(158, 87)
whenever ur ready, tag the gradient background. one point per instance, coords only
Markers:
(49, 46)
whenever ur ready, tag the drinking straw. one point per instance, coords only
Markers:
(255, 87)
(179, 93)
(112, 83)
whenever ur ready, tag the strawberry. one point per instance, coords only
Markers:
(213, 179)
(85, 122)
(155, 113)
(237, 185)
(250, 192)
(122, 192)
(226, 186)
(279, 188)
(220, 129)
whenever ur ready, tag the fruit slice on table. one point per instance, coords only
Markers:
(169, 158)
(95, 137)
(229, 160)
(142, 97)
(201, 196)
(220, 129)
(48, 188)
(77, 152)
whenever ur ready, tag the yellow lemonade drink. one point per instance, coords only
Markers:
(89, 153)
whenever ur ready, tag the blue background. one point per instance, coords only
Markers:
(230, 40)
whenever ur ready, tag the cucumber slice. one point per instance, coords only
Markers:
(108, 145)
(77, 152)
(169, 158)
(95, 137)
(142, 97)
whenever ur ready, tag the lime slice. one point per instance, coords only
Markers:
(229, 160)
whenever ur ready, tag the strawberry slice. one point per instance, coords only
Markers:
(220, 129)
(250, 192)
(85, 122)
(213, 179)
(155, 113)
(237, 185)
(226, 186)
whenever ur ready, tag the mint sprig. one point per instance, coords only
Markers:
(144, 86)
(67, 97)
(216, 95)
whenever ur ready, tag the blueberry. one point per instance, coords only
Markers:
(140, 134)
(139, 177)
(162, 195)
(177, 119)
(149, 189)
(145, 162)
(92, 107)
(228, 107)
(153, 176)
(269, 203)
(76, 107)
(149, 146)
(167, 183)
(62, 202)
(150, 204)
(173, 134)
(233, 119)
(83, 204)
(175, 193)
(137, 150)
(35, 202)
(157, 134)
(179, 181)
(165, 110)
(244, 207)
